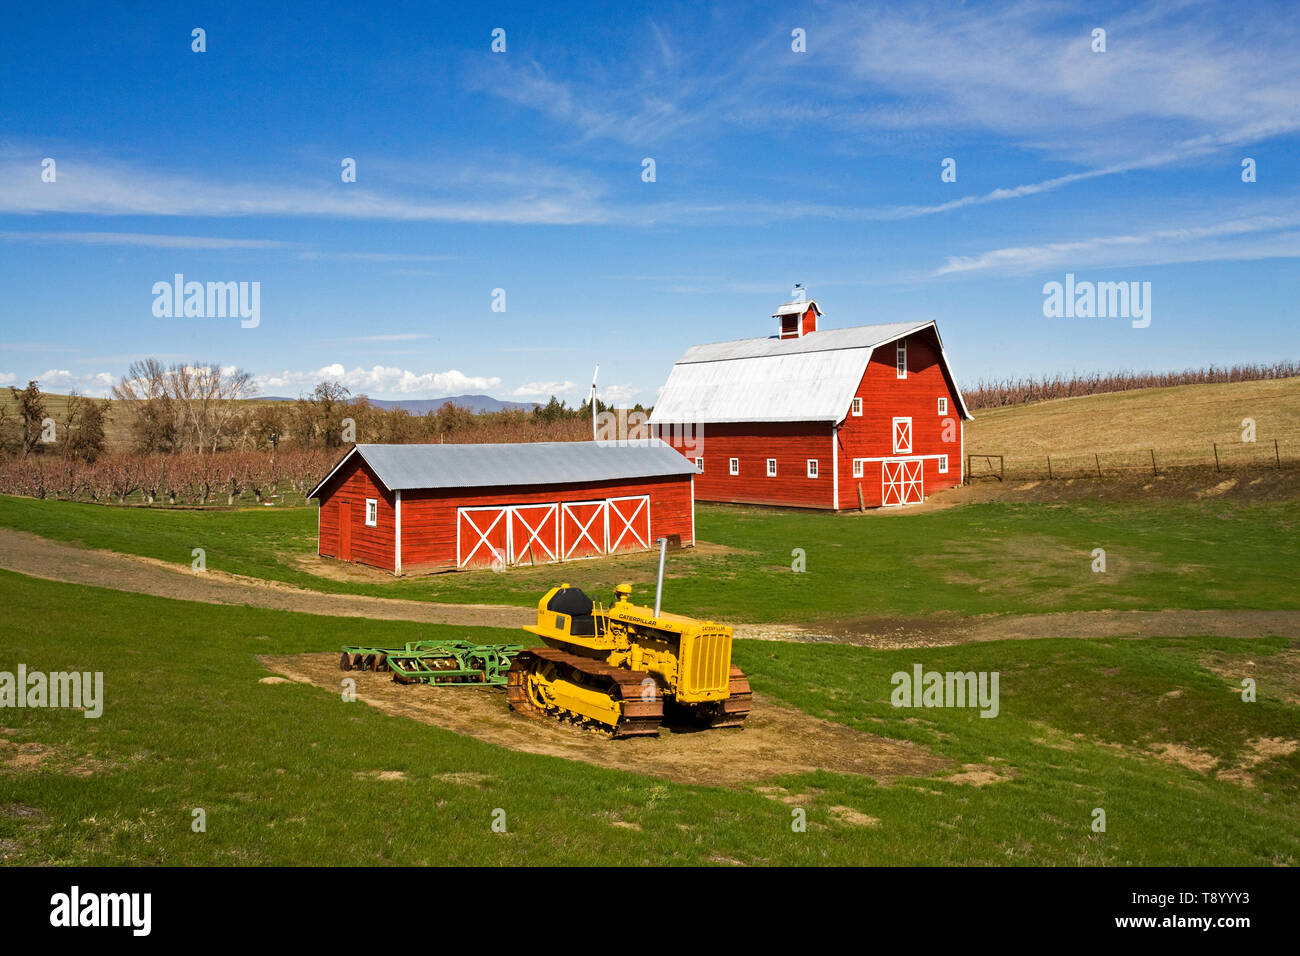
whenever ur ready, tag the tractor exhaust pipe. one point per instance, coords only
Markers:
(659, 589)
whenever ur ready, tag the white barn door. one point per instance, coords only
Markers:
(629, 522)
(902, 482)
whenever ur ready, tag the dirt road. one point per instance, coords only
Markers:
(39, 557)
(55, 561)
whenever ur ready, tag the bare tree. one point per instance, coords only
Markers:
(83, 428)
(198, 402)
(143, 393)
(31, 411)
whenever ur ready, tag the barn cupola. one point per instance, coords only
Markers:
(797, 317)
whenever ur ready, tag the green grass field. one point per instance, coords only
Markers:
(992, 558)
(287, 773)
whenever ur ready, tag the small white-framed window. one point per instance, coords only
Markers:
(699, 466)
(857, 406)
(771, 468)
(900, 359)
(735, 466)
(902, 436)
(857, 467)
(943, 406)
(812, 467)
(943, 464)
(372, 512)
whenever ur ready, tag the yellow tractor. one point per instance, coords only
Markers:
(615, 668)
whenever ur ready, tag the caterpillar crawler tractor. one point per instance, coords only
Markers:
(617, 668)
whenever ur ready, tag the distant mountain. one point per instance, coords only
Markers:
(418, 406)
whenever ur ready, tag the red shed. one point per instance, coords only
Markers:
(409, 508)
(817, 419)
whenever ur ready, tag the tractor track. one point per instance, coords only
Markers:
(40, 557)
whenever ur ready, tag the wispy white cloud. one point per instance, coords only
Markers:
(544, 389)
(378, 380)
(114, 188)
(393, 337)
(1177, 82)
(94, 384)
(1256, 237)
(377, 256)
(1171, 73)
(151, 240)
(618, 394)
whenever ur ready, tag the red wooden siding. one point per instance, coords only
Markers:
(517, 516)
(794, 325)
(885, 397)
(349, 490)
(790, 443)
(429, 516)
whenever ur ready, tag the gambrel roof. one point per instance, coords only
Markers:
(812, 378)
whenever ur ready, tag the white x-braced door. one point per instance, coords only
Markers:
(482, 536)
(629, 523)
(902, 482)
(582, 529)
(534, 533)
(902, 436)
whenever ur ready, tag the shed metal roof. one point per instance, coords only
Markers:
(404, 467)
(808, 379)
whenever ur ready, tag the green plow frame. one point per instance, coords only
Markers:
(435, 662)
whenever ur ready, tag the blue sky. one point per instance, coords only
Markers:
(522, 171)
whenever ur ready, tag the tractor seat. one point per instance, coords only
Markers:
(576, 604)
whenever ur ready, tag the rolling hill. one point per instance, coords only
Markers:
(1180, 424)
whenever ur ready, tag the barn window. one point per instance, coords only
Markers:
(857, 467)
(771, 468)
(943, 464)
(857, 406)
(902, 436)
(812, 467)
(900, 359)
(372, 512)
(943, 406)
(735, 466)
(699, 466)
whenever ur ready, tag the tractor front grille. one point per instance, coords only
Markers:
(706, 665)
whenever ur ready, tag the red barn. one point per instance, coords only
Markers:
(817, 419)
(409, 508)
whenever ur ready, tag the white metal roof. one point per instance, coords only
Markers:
(403, 467)
(797, 307)
(807, 379)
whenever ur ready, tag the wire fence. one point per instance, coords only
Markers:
(1221, 457)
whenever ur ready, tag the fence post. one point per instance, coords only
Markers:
(1098, 457)
(1154, 473)
(1049, 467)
(1216, 456)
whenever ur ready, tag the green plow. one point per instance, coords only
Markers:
(435, 662)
